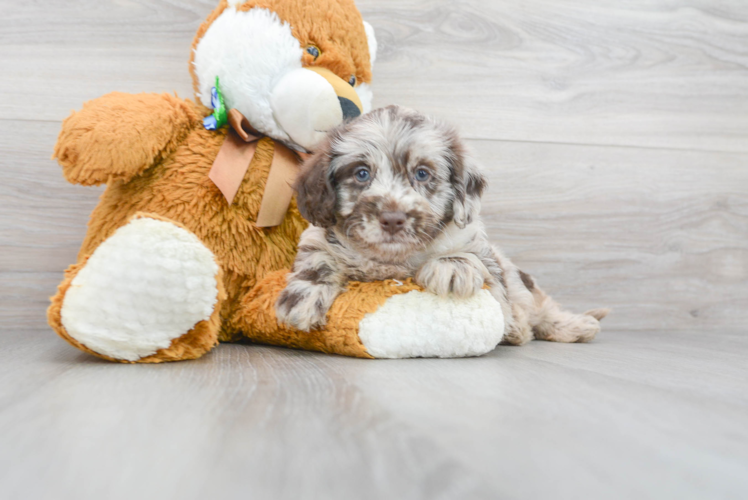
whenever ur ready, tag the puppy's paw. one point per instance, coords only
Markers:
(582, 328)
(450, 275)
(302, 308)
(568, 327)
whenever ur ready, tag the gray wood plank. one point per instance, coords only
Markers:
(656, 74)
(246, 422)
(633, 415)
(660, 236)
(645, 73)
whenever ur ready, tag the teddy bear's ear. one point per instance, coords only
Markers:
(372, 40)
(315, 195)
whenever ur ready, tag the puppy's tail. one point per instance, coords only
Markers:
(598, 314)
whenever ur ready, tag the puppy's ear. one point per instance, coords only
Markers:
(468, 182)
(315, 195)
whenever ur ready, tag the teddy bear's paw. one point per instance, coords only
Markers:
(421, 324)
(148, 284)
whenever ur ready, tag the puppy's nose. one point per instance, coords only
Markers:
(392, 222)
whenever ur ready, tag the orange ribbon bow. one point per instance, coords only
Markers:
(233, 160)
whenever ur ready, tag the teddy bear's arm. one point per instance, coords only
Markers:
(118, 136)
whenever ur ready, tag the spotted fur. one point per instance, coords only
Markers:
(442, 244)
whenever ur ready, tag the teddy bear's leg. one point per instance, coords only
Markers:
(389, 319)
(151, 292)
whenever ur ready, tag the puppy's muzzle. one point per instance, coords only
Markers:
(392, 222)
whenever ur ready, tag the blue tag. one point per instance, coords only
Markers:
(214, 100)
(219, 118)
(210, 122)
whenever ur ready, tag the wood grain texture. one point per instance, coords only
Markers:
(612, 419)
(659, 236)
(657, 74)
(615, 138)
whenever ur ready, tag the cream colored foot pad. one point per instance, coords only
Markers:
(421, 324)
(149, 283)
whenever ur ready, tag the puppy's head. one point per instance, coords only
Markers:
(391, 181)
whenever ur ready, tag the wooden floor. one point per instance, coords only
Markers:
(615, 135)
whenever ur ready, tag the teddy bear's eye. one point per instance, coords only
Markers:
(352, 81)
(313, 51)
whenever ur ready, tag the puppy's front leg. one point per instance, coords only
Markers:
(461, 275)
(310, 291)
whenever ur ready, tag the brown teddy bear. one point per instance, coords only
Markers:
(191, 240)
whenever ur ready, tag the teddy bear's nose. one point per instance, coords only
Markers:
(350, 110)
(308, 102)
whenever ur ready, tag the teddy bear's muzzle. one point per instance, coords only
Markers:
(308, 102)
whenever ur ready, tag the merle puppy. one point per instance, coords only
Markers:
(392, 195)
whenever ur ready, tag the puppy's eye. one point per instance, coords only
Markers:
(313, 51)
(362, 174)
(352, 81)
(422, 175)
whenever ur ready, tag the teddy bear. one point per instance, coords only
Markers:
(193, 237)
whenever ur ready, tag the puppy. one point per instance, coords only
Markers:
(392, 195)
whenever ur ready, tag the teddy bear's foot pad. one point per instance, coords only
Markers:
(423, 325)
(148, 284)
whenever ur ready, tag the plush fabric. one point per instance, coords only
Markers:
(340, 335)
(201, 338)
(118, 136)
(325, 24)
(381, 319)
(143, 287)
(233, 43)
(440, 327)
(176, 187)
(271, 38)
